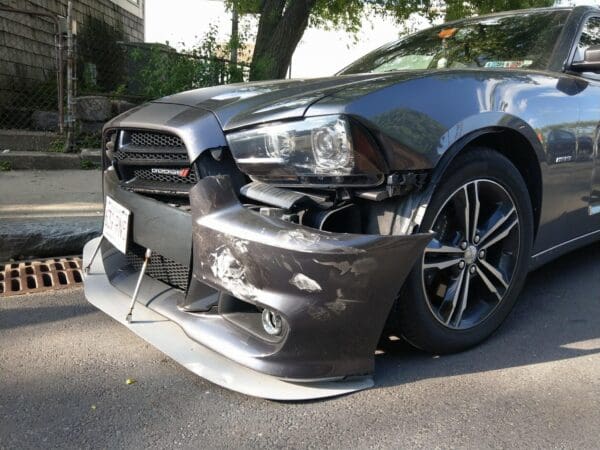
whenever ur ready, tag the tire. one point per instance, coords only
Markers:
(429, 312)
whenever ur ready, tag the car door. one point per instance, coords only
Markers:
(588, 153)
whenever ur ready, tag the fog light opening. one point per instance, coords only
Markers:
(271, 322)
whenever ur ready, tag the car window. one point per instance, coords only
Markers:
(590, 35)
(525, 40)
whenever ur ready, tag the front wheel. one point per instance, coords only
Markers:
(471, 273)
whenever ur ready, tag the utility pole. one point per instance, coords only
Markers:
(70, 141)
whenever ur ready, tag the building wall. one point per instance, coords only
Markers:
(27, 43)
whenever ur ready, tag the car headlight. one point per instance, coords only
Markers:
(323, 151)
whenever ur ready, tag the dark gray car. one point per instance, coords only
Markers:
(264, 234)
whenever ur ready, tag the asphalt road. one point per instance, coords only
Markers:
(535, 383)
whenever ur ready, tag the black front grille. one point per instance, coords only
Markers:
(160, 268)
(136, 155)
(154, 164)
(152, 139)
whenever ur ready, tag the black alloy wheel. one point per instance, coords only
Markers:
(472, 271)
(467, 269)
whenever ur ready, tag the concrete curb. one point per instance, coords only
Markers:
(48, 213)
(88, 159)
(63, 210)
(22, 239)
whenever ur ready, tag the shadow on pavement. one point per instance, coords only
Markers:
(556, 317)
(25, 316)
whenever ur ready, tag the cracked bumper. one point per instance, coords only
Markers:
(334, 291)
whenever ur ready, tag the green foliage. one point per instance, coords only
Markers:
(86, 164)
(57, 145)
(163, 71)
(119, 92)
(5, 166)
(340, 14)
(349, 14)
(245, 6)
(89, 141)
(457, 10)
(100, 57)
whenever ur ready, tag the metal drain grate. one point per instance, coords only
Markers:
(37, 276)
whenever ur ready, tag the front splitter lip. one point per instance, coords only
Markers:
(170, 338)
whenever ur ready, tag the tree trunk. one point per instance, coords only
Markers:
(235, 35)
(279, 31)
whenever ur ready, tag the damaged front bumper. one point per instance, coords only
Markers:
(167, 336)
(333, 292)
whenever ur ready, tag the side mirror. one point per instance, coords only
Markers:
(591, 60)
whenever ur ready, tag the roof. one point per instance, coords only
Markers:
(517, 12)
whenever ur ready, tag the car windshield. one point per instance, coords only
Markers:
(517, 41)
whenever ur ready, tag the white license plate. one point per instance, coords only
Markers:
(116, 224)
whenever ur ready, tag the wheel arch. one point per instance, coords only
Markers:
(512, 144)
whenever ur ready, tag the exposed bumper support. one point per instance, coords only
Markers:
(333, 290)
(169, 338)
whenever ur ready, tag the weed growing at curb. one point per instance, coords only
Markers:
(86, 164)
(5, 166)
(89, 141)
(57, 145)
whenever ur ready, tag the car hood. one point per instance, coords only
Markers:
(245, 104)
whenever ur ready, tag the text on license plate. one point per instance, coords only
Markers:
(116, 224)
